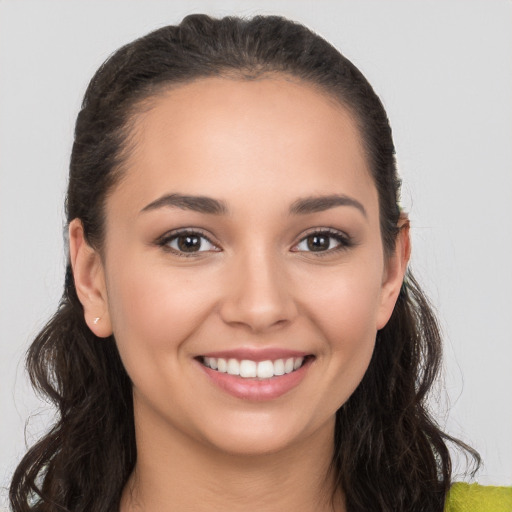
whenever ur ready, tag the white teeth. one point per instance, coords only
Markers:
(279, 367)
(233, 367)
(265, 369)
(251, 369)
(222, 365)
(247, 368)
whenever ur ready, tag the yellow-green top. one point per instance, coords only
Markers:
(478, 498)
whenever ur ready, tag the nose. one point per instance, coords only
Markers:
(258, 294)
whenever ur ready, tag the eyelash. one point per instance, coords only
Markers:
(166, 239)
(344, 241)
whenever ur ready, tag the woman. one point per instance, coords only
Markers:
(238, 329)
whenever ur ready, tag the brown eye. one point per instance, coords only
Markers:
(186, 243)
(323, 241)
(318, 242)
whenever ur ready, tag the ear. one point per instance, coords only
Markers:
(394, 272)
(89, 279)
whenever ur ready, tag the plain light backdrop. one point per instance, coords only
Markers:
(444, 73)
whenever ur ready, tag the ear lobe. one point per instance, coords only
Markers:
(89, 279)
(394, 273)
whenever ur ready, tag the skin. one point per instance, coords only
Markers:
(258, 146)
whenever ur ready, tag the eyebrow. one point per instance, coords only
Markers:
(201, 204)
(208, 205)
(314, 204)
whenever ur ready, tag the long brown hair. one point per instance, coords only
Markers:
(389, 453)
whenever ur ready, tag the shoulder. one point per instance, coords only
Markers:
(478, 498)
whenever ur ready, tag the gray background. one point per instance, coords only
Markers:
(444, 73)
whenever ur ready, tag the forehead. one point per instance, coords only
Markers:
(221, 136)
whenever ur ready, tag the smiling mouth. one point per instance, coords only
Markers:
(249, 369)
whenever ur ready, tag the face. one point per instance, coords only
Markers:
(244, 238)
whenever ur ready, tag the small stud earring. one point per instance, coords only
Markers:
(96, 320)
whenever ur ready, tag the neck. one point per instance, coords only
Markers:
(176, 472)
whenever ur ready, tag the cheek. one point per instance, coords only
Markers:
(346, 300)
(344, 306)
(154, 310)
(348, 322)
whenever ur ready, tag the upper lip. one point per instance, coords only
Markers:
(256, 354)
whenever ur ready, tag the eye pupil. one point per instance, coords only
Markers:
(188, 243)
(318, 242)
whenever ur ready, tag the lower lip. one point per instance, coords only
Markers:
(257, 389)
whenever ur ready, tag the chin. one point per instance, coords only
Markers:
(255, 435)
(252, 444)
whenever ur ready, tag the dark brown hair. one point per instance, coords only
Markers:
(389, 454)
